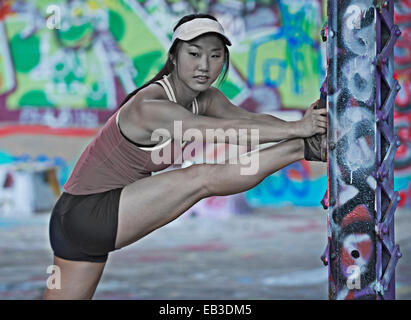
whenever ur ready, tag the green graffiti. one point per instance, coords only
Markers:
(35, 98)
(99, 103)
(116, 25)
(143, 64)
(126, 42)
(70, 78)
(229, 89)
(76, 36)
(25, 52)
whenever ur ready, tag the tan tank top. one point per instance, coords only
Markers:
(112, 161)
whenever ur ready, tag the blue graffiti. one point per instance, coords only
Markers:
(280, 189)
(294, 33)
(267, 66)
(63, 169)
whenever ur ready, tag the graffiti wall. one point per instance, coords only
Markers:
(402, 112)
(67, 64)
(72, 62)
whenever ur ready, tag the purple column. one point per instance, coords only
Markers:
(361, 253)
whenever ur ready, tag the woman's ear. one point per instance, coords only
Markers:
(172, 59)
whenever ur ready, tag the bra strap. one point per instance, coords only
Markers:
(170, 88)
(165, 87)
(195, 106)
(165, 83)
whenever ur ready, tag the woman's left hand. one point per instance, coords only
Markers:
(314, 121)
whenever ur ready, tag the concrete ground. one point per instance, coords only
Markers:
(269, 254)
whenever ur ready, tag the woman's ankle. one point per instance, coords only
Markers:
(300, 148)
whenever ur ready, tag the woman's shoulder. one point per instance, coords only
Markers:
(212, 96)
(212, 93)
(152, 91)
(130, 114)
(209, 97)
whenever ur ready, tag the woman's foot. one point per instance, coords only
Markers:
(315, 148)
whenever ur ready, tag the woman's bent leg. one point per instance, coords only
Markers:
(77, 280)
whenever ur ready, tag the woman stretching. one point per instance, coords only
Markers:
(112, 199)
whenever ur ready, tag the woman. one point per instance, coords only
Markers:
(112, 199)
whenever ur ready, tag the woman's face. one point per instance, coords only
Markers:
(200, 61)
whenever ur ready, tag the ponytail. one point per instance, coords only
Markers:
(165, 70)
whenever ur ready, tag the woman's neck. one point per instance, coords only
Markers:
(184, 95)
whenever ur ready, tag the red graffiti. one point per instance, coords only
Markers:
(350, 295)
(357, 250)
(402, 159)
(216, 202)
(402, 100)
(298, 175)
(5, 9)
(402, 53)
(365, 248)
(346, 258)
(46, 130)
(209, 246)
(359, 213)
(403, 47)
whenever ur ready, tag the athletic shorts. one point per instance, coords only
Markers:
(84, 227)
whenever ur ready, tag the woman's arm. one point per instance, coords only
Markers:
(161, 118)
(219, 106)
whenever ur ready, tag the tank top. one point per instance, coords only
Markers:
(112, 161)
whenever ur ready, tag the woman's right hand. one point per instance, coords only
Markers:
(313, 122)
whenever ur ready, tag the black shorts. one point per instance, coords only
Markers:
(84, 227)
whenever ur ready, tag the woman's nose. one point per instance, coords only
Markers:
(204, 63)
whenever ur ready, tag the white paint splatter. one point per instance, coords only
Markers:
(297, 278)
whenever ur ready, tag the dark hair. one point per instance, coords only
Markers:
(169, 66)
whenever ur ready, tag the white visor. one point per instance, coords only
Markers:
(196, 27)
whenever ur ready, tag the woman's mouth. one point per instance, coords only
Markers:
(201, 79)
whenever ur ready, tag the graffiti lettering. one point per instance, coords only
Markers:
(53, 21)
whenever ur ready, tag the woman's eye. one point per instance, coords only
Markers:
(196, 54)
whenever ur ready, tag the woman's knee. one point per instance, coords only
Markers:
(202, 175)
(222, 180)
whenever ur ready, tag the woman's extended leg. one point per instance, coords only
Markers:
(150, 203)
